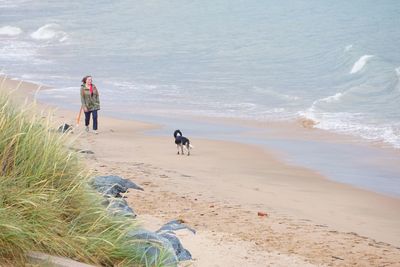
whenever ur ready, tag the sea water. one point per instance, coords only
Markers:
(334, 62)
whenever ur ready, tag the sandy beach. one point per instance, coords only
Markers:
(222, 189)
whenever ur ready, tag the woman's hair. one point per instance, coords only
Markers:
(85, 78)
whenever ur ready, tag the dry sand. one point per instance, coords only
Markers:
(220, 189)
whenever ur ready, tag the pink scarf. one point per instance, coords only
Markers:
(91, 89)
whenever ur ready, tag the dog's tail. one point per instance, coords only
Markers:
(177, 132)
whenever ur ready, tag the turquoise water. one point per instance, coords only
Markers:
(335, 62)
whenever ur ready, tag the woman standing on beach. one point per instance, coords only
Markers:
(90, 101)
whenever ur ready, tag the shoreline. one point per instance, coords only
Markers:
(220, 188)
(364, 164)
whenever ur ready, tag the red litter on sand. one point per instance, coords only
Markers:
(262, 214)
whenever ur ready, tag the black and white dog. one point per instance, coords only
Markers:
(181, 142)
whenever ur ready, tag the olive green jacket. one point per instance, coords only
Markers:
(91, 102)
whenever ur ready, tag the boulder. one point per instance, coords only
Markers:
(119, 206)
(112, 185)
(175, 225)
(167, 231)
(151, 247)
(64, 128)
(181, 253)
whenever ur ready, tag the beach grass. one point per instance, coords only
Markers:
(46, 204)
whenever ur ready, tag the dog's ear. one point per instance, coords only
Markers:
(177, 132)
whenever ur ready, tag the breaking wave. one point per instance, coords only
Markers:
(332, 98)
(49, 32)
(10, 31)
(360, 63)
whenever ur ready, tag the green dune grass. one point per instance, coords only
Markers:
(45, 202)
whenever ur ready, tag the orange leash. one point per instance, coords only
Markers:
(78, 118)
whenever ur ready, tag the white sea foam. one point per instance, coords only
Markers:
(348, 48)
(48, 32)
(308, 114)
(312, 110)
(12, 50)
(10, 31)
(62, 39)
(332, 98)
(21, 52)
(351, 124)
(12, 3)
(360, 63)
(398, 72)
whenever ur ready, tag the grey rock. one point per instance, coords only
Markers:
(175, 225)
(130, 184)
(85, 151)
(112, 185)
(119, 206)
(64, 128)
(151, 246)
(182, 253)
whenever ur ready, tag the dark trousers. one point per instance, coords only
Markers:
(87, 118)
